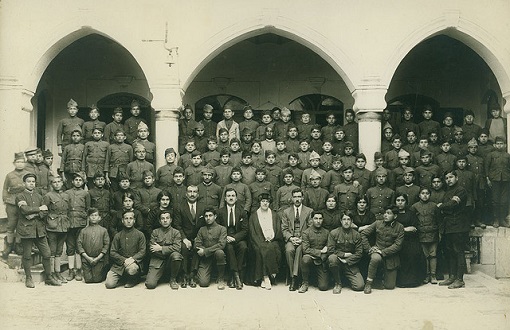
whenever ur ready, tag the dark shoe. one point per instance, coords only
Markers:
(448, 281)
(293, 284)
(174, 285)
(29, 283)
(239, 283)
(457, 284)
(303, 288)
(337, 289)
(192, 283)
(71, 275)
(433, 279)
(78, 275)
(495, 224)
(426, 280)
(130, 284)
(55, 277)
(368, 288)
(231, 283)
(50, 280)
(221, 285)
(184, 283)
(61, 278)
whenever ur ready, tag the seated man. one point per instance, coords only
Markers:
(315, 240)
(231, 216)
(295, 220)
(165, 247)
(127, 251)
(389, 236)
(209, 244)
(345, 249)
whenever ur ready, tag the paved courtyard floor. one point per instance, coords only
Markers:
(483, 304)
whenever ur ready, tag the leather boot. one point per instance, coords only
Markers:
(368, 287)
(79, 275)
(7, 250)
(50, 280)
(293, 284)
(71, 275)
(239, 283)
(29, 283)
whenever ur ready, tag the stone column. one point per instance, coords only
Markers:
(506, 113)
(368, 105)
(166, 101)
(17, 124)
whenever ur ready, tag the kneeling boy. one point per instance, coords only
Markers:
(165, 247)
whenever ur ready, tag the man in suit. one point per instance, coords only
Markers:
(295, 220)
(188, 220)
(232, 217)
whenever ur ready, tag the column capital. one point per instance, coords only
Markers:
(369, 99)
(506, 107)
(370, 116)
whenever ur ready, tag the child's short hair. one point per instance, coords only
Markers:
(76, 131)
(235, 140)
(269, 153)
(287, 171)
(305, 113)
(117, 110)
(361, 156)
(285, 111)
(212, 139)
(281, 139)
(396, 137)
(304, 140)
(266, 113)
(350, 111)
(147, 174)
(424, 188)
(293, 154)
(224, 151)
(245, 154)
(330, 113)
(378, 155)
(93, 107)
(178, 170)
(126, 212)
(99, 174)
(169, 212)
(260, 169)
(222, 130)
(236, 169)
(291, 125)
(427, 107)
(119, 131)
(91, 211)
(347, 168)
(316, 127)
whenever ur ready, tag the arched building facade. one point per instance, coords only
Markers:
(171, 53)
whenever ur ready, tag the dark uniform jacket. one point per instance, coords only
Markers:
(341, 241)
(497, 165)
(13, 185)
(131, 128)
(64, 129)
(314, 240)
(118, 156)
(79, 204)
(165, 176)
(128, 243)
(59, 205)
(72, 158)
(89, 126)
(170, 240)
(427, 214)
(94, 157)
(211, 238)
(30, 218)
(389, 237)
(453, 209)
(209, 195)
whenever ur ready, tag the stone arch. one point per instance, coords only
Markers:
(47, 50)
(300, 33)
(471, 34)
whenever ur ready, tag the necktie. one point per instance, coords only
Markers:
(297, 214)
(193, 213)
(231, 216)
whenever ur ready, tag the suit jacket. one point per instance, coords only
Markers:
(185, 223)
(240, 230)
(289, 218)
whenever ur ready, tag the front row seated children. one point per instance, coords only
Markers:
(209, 245)
(165, 250)
(32, 230)
(127, 251)
(79, 204)
(345, 249)
(389, 236)
(93, 243)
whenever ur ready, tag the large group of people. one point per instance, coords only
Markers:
(244, 202)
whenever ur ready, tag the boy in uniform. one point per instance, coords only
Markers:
(72, 157)
(136, 168)
(165, 248)
(212, 155)
(150, 147)
(93, 244)
(93, 123)
(209, 124)
(32, 230)
(248, 122)
(94, 156)
(428, 125)
(100, 198)
(127, 251)
(118, 155)
(114, 126)
(497, 167)
(67, 125)
(13, 185)
(164, 175)
(132, 123)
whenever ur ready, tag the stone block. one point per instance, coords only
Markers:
(503, 253)
(486, 269)
(488, 250)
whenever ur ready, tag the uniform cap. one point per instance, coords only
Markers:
(117, 110)
(80, 174)
(469, 112)
(458, 129)
(314, 155)
(47, 153)
(349, 144)
(18, 156)
(499, 139)
(29, 175)
(147, 173)
(246, 130)
(31, 150)
(403, 153)
(287, 171)
(448, 114)
(408, 169)
(169, 151)
(196, 153)
(72, 103)
(199, 126)
(425, 152)
(314, 175)
(472, 143)
(223, 129)
(208, 170)
(135, 103)
(93, 106)
(208, 107)
(142, 125)
(381, 171)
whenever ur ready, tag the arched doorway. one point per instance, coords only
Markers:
(267, 69)
(87, 70)
(218, 102)
(318, 105)
(448, 71)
